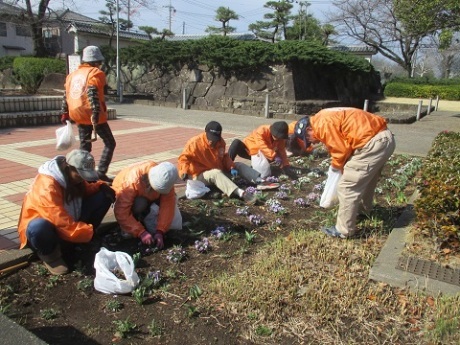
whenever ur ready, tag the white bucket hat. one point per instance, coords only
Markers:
(92, 54)
(163, 176)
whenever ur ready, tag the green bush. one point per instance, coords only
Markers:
(6, 62)
(235, 55)
(30, 71)
(438, 206)
(445, 91)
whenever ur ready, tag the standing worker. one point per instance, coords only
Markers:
(84, 103)
(360, 144)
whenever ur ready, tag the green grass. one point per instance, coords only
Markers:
(314, 287)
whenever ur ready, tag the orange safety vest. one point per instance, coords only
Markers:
(45, 199)
(262, 140)
(343, 130)
(76, 85)
(198, 156)
(132, 182)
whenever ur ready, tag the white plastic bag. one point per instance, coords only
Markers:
(330, 198)
(105, 263)
(151, 219)
(65, 137)
(261, 164)
(195, 189)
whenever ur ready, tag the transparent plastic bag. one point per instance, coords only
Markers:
(106, 263)
(65, 138)
(195, 189)
(151, 219)
(261, 164)
(330, 198)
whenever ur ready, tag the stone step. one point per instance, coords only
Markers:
(29, 103)
(38, 118)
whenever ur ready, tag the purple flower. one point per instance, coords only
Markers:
(251, 190)
(203, 245)
(275, 206)
(281, 195)
(242, 211)
(312, 197)
(155, 276)
(219, 231)
(300, 202)
(272, 179)
(318, 187)
(255, 219)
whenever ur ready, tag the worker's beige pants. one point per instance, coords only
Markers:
(221, 180)
(360, 175)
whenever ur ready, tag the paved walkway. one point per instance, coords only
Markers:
(157, 133)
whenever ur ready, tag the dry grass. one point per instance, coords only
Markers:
(310, 289)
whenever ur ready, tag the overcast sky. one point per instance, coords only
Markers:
(194, 16)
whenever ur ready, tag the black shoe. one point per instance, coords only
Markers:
(105, 178)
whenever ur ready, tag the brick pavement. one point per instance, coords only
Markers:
(23, 150)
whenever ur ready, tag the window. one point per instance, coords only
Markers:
(3, 29)
(22, 30)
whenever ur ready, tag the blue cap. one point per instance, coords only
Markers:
(300, 129)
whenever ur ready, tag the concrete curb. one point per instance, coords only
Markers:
(384, 268)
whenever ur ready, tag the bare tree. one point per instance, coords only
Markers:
(374, 23)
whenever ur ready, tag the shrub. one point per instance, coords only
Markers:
(438, 206)
(445, 90)
(6, 62)
(30, 71)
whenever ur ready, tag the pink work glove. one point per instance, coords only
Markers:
(146, 238)
(158, 239)
(278, 161)
(65, 117)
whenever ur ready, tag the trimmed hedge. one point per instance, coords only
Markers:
(234, 55)
(415, 90)
(30, 71)
(438, 207)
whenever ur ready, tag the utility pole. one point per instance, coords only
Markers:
(171, 11)
(183, 28)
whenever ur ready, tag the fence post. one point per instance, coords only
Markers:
(366, 104)
(184, 98)
(437, 103)
(120, 91)
(419, 109)
(267, 106)
(428, 112)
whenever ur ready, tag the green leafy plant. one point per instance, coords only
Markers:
(49, 314)
(139, 294)
(195, 292)
(192, 311)
(52, 282)
(124, 328)
(85, 284)
(263, 331)
(114, 305)
(155, 328)
(136, 258)
(250, 236)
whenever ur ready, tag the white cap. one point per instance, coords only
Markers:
(163, 176)
(92, 54)
(83, 161)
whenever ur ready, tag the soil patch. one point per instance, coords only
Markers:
(217, 232)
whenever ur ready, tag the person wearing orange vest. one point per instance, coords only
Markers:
(268, 141)
(297, 143)
(84, 103)
(204, 159)
(61, 206)
(145, 191)
(359, 144)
